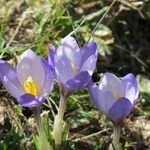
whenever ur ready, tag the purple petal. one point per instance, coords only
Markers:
(9, 78)
(88, 50)
(47, 68)
(120, 110)
(109, 82)
(28, 100)
(89, 65)
(70, 49)
(130, 92)
(30, 65)
(104, 100)
(79, 80)
(15, 90)
(93, 90)
(129, 82)
(51, 55)
(7, 70)
(48, 83)
(64, 70)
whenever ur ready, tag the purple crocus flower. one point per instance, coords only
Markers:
(73, 65)
(31, 80)
(115, 97)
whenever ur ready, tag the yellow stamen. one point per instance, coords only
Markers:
(73, 67)
(30, 87)
(117, 95)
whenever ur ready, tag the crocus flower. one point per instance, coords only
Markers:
(115, 97)
(73, 65)
(31, 80)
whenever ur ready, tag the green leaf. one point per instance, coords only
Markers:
(65, 133)
(3, 146)
(72, 100)
(45, 121)
(144, 85)
(14, 139)
(36, 142)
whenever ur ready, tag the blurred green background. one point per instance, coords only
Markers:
(122, 32)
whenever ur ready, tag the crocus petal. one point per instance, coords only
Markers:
(79, 80)
(47, 68)
(30, 65)
(14, 90)
(93, 90)
(130, 92)
(29, 100)
(89, 65)
(51, 55)
(9, 78)
(104, 100)
(110, 82)
(120, 110)
(48, 83)
(63, 70)
(7, 70)
(70, 49)
(87, 51)
(130, 81)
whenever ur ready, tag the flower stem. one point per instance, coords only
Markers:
(58, 122)
(44, 144)
(116, 138)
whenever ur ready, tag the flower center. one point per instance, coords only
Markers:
(73, 67)
(117, 95)
(30, 87)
